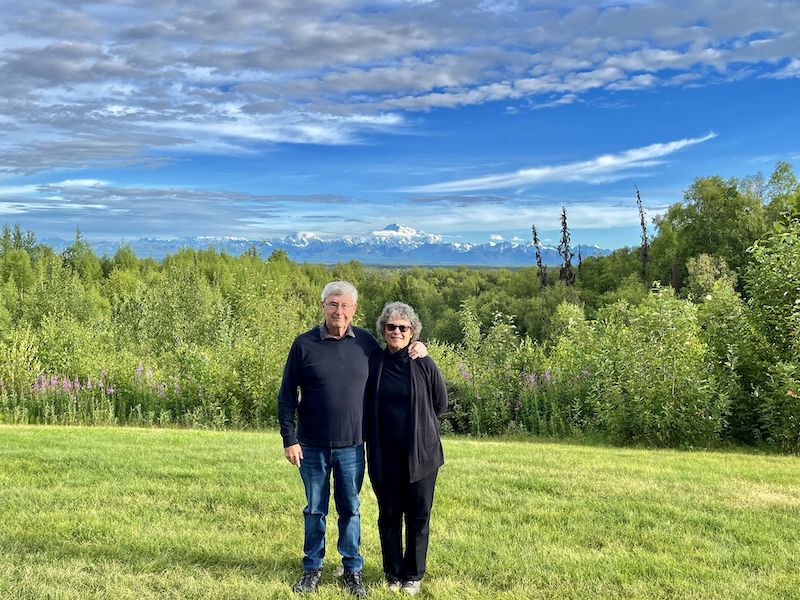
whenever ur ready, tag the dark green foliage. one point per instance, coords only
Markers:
(601, 276)
(716, 218)
(772, 282)
(783, 193)
(81, 259)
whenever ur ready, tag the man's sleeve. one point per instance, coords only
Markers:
(288, 394)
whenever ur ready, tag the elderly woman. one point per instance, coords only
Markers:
(404, 399)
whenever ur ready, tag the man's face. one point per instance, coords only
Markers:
(339, 311)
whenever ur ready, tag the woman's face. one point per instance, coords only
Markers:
(396, 339)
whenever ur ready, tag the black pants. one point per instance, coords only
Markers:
(399, 500)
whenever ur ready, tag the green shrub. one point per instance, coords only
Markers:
(772, 280)
(653, 379)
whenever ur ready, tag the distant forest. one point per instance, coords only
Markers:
(689, 339)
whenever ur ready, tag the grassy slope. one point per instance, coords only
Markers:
(128, 513)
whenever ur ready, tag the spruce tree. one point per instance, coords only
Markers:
(542, 271)
(645, 245)
(565, 274)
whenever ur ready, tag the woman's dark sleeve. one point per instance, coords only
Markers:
(439, 390)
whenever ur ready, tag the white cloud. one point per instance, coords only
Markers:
(636, 83)
(80, 183)
(789, 71)
(14, 190)
(496, 238)
(331, 72)
(603, 168)
(12, 209)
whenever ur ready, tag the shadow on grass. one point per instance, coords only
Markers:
(285, 567)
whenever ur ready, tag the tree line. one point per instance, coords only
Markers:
(687, 340)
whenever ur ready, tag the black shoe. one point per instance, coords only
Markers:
(309, 582)
(353, 584)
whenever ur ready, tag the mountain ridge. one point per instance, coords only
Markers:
(395, 244)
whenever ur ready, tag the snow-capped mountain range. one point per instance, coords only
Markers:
(395, 244)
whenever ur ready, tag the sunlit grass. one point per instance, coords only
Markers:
(143, 513)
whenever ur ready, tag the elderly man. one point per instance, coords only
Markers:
(329, 366)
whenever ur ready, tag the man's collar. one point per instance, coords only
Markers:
(324, 334)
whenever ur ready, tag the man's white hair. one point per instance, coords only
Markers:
(340, 288)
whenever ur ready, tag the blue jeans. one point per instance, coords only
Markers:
(347, 465)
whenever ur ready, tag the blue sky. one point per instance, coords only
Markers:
(469, 120)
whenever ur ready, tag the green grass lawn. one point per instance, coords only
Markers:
(136, 513)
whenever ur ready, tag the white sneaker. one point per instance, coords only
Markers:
(411, 587)
(393, 586)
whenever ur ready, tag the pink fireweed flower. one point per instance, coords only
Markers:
(110, 390)
(547, 377)
(518, 407)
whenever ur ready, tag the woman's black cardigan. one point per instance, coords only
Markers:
(428, 401)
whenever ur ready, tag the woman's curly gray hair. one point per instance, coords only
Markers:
(402, 311)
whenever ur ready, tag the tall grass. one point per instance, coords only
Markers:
(150, 513)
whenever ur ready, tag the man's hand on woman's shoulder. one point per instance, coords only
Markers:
(417, 350)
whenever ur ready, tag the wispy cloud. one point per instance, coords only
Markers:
(607, 167)
(786, 72)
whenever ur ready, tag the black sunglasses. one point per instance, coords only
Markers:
(402, 328)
